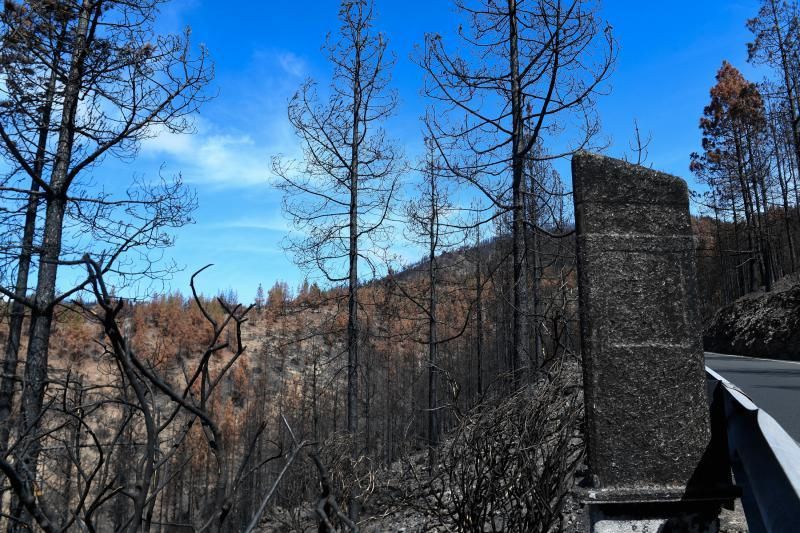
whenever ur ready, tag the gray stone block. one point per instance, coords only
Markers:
(647, 413)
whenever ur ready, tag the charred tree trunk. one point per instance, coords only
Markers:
(478, 311)
(17, 312)
(518, 141)
(352, 299)
(433, 377)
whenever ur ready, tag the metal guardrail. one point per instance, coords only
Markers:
(764, 458)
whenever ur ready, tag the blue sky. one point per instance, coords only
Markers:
(669, 53)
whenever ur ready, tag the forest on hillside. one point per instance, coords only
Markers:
(447, 388)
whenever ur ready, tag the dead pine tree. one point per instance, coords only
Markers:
(27, 106)
(340, 194)
(478, 332)
(775, 44)
(424, 214)
(734, 160)
(529, 71)
(117, 81)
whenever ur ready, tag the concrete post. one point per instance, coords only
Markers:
(650, 455)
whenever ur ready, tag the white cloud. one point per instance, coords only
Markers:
(226, 159)
(234, 149)
(292, 64)
(274, 222)
(167, 143)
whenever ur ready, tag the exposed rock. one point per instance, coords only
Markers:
(759, 325)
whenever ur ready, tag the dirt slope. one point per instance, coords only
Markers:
(759, 325)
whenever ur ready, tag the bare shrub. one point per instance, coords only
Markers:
(509, 465)
(348, 477)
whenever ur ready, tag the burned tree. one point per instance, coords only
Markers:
(30, 85)
(340, 194)
(116, 83)
(426, 214)
(533, 71)
(735, 165)
(130, 435)
(776, 44)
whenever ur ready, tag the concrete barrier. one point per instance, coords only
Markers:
(652, 460)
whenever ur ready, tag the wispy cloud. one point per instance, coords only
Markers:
(274, 222)
(209, 157)
(292, 64)
(241, 130)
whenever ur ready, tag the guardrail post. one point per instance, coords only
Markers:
(649, 440)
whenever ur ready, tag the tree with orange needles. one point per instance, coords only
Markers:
(735, 165)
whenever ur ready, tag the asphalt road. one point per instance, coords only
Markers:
(774, 386)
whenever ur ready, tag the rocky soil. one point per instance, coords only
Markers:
(759, 324)
(399, 517)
